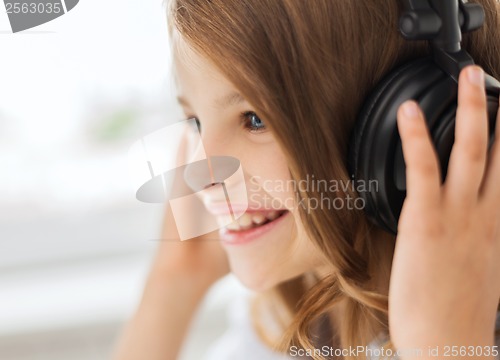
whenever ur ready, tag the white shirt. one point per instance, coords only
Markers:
(240, 341)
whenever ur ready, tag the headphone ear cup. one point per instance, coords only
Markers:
(375, 137)
(376, 160)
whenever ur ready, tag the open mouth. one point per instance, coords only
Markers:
(254, 219)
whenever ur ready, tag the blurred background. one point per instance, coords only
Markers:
(75, 244)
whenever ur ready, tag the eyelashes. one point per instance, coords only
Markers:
(252, 123)
(249, 120)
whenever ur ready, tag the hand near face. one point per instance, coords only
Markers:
(199, 261)
(445, 283)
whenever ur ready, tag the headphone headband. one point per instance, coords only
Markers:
(442, 22)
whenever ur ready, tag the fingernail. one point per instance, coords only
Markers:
(476, 76)
(410, 109)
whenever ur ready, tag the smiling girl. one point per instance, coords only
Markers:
(277, 85)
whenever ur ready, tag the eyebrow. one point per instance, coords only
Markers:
(231, 99)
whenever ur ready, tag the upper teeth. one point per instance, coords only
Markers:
(247, 220)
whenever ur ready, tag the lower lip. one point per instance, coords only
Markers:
(243, 237)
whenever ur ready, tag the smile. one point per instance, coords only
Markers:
(251, 225)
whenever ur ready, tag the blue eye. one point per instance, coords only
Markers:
(252, 122)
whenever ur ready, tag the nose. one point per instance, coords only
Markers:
(215, 165)
(207, 143)
(219, 181)
(213, 143)
(206, 173)
(217, 142)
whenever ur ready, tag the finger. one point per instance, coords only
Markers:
(491, 185)
(468, 157)
(422, 169)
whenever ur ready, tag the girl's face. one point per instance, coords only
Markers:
(267, 245)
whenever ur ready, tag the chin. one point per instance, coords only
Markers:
(254, 278)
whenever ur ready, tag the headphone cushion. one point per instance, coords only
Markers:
(375, 135)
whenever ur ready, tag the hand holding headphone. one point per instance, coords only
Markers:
(375, 152)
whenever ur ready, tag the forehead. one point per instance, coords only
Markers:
(195, 73)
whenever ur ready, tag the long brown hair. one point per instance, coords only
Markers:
(306, 67)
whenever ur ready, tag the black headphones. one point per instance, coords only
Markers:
(376, 161)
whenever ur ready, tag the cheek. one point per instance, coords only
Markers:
(273, 260)
(269, 175)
